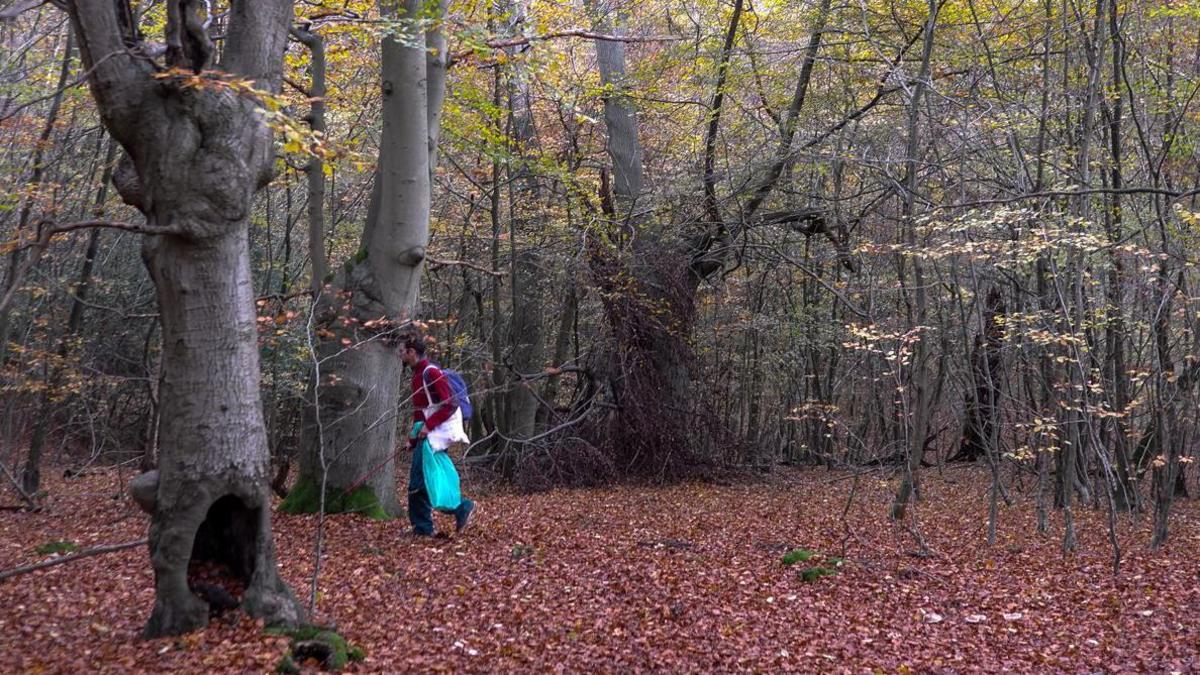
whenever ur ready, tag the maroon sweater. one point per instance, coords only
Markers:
(439, 386)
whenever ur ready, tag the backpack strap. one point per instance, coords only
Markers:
(425, 383)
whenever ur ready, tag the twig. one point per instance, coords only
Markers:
(25, 496)
(297, 86)
(436, 263)
(47, 230)
(111, 548)
(6, 113)
(575, 32)
(1174, 195)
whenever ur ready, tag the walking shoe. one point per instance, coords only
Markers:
(463, 520)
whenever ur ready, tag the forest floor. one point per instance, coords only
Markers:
(683, 578)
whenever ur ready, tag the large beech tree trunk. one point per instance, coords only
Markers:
(195, 157)
(350, 432)
(213, 469)
(528, 275)
(528, 350)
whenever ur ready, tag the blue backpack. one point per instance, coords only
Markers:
(458, 390)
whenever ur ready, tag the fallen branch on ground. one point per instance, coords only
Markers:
(111, 548)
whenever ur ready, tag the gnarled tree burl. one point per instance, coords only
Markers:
(195, 157)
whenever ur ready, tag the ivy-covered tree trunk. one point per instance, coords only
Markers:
(196, 156)
(650, 281)
(358, 379)
(648, 298)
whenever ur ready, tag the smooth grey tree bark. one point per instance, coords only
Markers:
(527, 344)
(350, 432)
(315, 169)
(620, 117)
(528, 277)
(195, 157)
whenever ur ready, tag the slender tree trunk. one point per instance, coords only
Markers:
(1078, 423)
(1163, 410)
(918, 384)
(1118, 386)
(315, 170)
(37, 172)
(562, 345)
(1043, 400)
(497, 402)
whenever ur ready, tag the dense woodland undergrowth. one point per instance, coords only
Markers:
(667, 243)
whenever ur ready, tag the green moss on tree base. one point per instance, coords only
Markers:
(305, 497)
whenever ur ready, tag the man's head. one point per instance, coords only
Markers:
(412, 350)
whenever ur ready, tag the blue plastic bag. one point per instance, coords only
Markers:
(441, 478)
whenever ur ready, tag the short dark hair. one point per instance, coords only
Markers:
(415, 343)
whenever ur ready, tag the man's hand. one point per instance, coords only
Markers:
(423, 433)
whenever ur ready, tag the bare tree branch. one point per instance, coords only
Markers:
(1174, 195)
(12, 12)
(575, 32)
(47, 230)
(87, 553)
(435, 263)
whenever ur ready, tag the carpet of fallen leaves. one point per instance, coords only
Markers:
(682, 578)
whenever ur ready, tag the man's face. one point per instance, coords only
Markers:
(409, 356)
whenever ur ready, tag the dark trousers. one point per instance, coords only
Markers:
(420, 511)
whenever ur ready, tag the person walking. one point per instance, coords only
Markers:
(441, 424)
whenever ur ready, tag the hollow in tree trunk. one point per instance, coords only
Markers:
(195, 155)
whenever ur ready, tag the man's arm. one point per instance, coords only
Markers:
(439, 387)
(418, 412)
